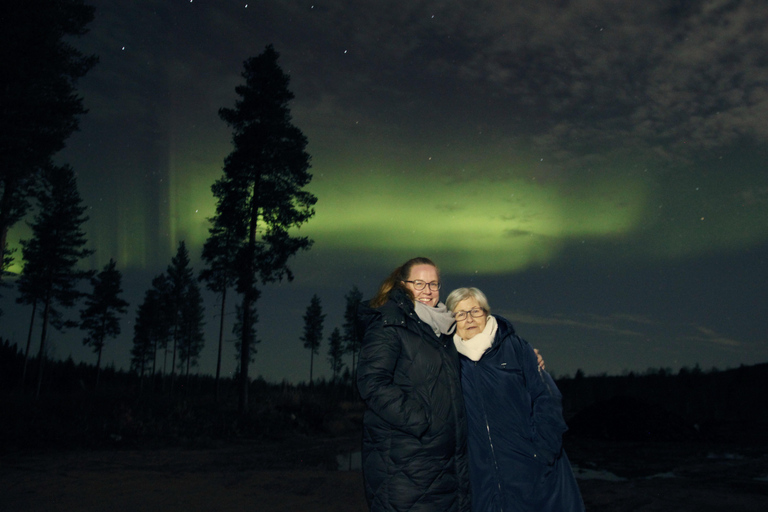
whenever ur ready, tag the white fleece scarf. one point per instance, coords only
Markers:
(438, 317)
(475, 347)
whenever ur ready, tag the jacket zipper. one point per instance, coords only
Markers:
(493, 453)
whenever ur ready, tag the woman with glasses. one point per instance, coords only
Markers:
(414, 427)
(514, 416)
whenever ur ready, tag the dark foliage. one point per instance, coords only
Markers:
(260, 196)
(716, 406)
(632, 413)
(40, 107)
(102, 307)
(51, 275)
(122, 414)
(313, 330)
(335, 352)
(626, 418)
(152, 328)
(352, 333)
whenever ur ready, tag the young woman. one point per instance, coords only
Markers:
(414, 428)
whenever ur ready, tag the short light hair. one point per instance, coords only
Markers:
(460, 294)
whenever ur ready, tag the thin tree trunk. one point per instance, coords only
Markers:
(245, 355)
(221, 342)
(311, 363)
(153, 378)
(29, 344)
(41, 354)
(101, 347)
(173, 359)
(98, 366)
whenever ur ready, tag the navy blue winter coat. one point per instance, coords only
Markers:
(515, 427)
(414, 427)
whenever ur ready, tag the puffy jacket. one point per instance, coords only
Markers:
(515, 428)
(414, 428)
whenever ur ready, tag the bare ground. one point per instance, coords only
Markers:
(301, 475)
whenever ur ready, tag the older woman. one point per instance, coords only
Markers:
(414, 428)
(514, 416)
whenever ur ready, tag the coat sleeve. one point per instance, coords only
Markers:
(548, 425)
(379, 355)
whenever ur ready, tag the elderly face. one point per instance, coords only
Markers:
(424, 276)
(471, 325)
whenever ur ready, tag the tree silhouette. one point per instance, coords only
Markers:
(352, 335)
(260, 196)
(237, 330)
(220, 256)
(191, 338)
(40, 107)
(152, 328)
(102, 307)
(313, 330)
(336, 352)
(50, 275)
(180, 278)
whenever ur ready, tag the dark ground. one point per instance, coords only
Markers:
(301, 475)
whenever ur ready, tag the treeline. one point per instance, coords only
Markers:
(126, 412)
(665, 406)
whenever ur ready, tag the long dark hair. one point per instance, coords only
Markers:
(396, 278)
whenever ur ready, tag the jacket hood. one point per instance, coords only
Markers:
(505, 328)
(393, 312)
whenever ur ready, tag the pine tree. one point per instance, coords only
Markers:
(191, 337)
(142, 351)
(260, 197)
(180, 278)
(313, 330)
(352, 335)
(40, 107)
(102, 307)
(152, 328)
(335, 353)
(50, 275)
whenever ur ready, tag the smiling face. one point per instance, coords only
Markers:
(428, 274)
(470, 326)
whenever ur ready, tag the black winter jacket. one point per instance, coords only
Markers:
(414, 428)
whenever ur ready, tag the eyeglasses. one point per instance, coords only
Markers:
(419, 285)
(462, 315)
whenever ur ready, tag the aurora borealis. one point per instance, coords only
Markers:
(598, 168)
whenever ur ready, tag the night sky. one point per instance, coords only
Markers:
(596, 167)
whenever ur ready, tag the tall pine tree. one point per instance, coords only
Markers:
(313, 330)
(152, 328)
(335, 353)
(191, 337)
(260, 197)
(180, 278)
(352, 335)
(102, 307)
(50, 275)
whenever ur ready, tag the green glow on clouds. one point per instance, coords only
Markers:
(491, 225)
(473, 219)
